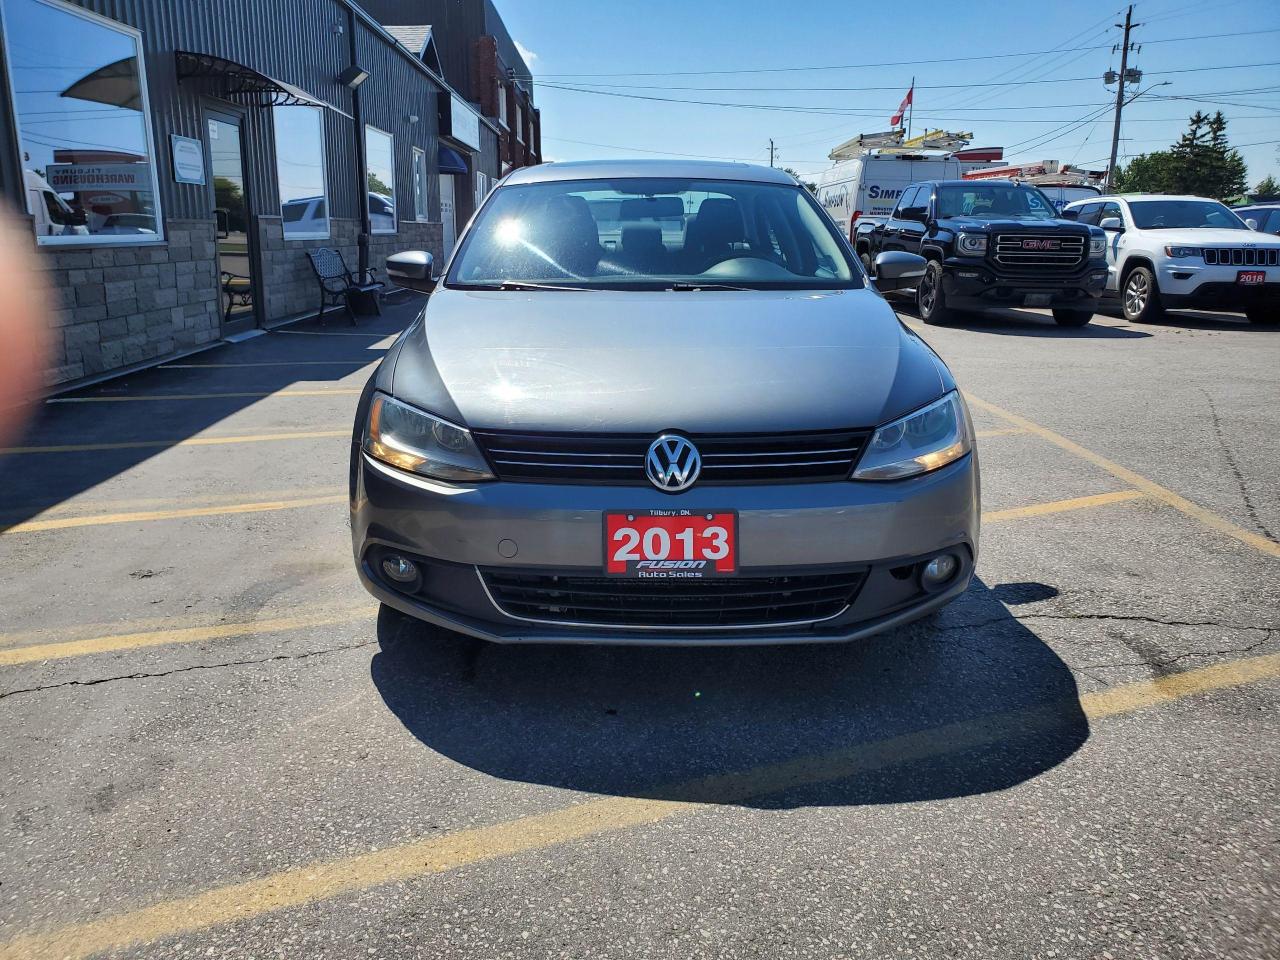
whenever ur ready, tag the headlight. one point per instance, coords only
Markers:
(972, 242)
(1180, 252)
(409, 439)
(922, 441)
(1097, 245)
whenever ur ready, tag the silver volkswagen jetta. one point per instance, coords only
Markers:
(660, 402)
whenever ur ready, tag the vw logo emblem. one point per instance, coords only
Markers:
(673, 463)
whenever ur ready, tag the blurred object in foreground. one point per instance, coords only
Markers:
(24, 328)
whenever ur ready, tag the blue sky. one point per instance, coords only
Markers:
(589, 45)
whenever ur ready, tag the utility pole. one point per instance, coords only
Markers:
(1124, 70)
(771, 151)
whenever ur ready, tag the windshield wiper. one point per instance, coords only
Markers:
(682, 285)
(531, 285)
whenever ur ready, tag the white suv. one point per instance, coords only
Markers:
(1169, 252)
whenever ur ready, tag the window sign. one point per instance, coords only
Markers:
(379, 151)
(188, 159)
(80, 106)
(300, 172)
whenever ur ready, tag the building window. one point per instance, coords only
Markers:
(519, 127)
(420, 210)
(379, 148)
(80, 106)
(502, 104)
(304, 196)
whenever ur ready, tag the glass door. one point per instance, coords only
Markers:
(231, 211)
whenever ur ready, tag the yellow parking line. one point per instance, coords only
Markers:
(1149, 487)
(320, 881)
(1002, 432)
(208, 396)
(98, 519)
(1062, 506)
(189, 442)
(156, 638)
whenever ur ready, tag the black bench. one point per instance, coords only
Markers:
(339, 286)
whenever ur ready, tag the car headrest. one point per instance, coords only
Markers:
(641, 237)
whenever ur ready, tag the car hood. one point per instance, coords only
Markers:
(1212, 237)
(648, 361)
(979, 225)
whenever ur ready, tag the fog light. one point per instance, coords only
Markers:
(399, 569)
(939, 570)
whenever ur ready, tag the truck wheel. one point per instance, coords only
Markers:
(1140, 297)
(1264, 316)
(867, 263)
(931, 299)
(1072, 318)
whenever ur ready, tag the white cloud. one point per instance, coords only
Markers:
(528, 55)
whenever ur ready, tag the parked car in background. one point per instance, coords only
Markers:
(719, 437)
(994, 243)
(121, 224)
(1166, 252)
(1265, 216)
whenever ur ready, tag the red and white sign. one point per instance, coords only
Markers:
(670, 544)
(1251, 277)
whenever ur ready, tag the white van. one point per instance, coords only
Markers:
(53, 217)
(860, 192)
(1063, 194)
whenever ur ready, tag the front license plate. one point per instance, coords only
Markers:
(670, 544)
(1250, 277)
(1037, 299)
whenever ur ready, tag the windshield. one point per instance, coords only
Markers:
(646, 234)
(1182, 214)
(994, 200)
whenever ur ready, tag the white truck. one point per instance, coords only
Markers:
(52, 215)
(872, 170)
(1060, 182)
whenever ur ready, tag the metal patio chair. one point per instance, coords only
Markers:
(339, 286)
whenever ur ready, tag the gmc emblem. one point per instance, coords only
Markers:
(1040, 244)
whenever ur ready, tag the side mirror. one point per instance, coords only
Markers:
(1070, 215)
(896, 269)
(1112, 225)
(1251, 223)
(412, 269)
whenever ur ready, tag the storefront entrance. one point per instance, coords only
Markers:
(231, 210)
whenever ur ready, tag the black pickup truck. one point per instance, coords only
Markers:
(994, 243)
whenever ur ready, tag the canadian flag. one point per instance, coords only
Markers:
(902, 107)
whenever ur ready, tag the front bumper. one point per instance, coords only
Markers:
(455, 533)
(1195, 285)
(973, 283)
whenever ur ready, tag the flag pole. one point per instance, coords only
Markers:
(911, 107)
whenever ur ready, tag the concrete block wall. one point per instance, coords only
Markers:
(289, 284)
(123, 305)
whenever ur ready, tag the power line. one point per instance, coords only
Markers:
(888, 63)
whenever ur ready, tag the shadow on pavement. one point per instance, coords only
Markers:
(1024, 323)
(964, 703)
(31, 483)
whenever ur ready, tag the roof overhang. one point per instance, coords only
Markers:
(242, 84)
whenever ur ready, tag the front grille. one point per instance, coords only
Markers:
(1012, 250)
(618, 458)
(1242, 256)
(796, 599)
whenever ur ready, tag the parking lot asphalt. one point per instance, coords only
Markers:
(217, 745)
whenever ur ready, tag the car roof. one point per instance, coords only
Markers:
(673, 169)
(1268, 205)
(1142, 196)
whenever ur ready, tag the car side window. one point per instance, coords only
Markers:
(1111, 209)
(1273, 224)
(920, 205)
(903, 210)
(1089, 213)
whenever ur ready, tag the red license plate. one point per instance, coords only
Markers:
(1251, 276)
(670, 544)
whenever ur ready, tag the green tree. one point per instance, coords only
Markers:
(377, 186)
(1267, 187)
(1202, 163)
(808, 185)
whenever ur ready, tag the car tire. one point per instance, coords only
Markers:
(1264, 316)
(931, 299)
(867, 263)
(1072, 318)
(1140, 296)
